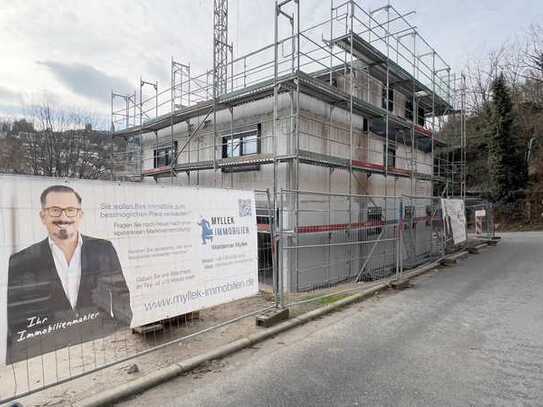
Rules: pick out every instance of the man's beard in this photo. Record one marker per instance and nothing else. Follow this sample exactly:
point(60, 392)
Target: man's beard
point(62, 234)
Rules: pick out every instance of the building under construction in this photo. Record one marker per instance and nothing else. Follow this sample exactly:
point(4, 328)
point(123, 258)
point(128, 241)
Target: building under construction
point(336, 120)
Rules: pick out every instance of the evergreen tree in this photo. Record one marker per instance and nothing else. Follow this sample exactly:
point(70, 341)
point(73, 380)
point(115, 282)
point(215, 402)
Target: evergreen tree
point(506, 161)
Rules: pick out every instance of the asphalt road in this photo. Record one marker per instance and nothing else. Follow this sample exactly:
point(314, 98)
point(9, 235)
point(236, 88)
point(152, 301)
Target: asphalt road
point(470, 335)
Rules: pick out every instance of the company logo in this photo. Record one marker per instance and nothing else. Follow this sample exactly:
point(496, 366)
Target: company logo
point(219, 227)
point(207, 230)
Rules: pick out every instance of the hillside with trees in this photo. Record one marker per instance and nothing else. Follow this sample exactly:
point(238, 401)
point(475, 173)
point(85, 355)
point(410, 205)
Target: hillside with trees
point(504, 125)
point(53, 142)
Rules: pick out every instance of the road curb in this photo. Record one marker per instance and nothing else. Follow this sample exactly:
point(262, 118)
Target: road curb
point(162, 375)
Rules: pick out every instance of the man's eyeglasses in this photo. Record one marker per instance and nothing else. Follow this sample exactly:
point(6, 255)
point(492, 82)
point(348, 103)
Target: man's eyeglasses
point(56, 212)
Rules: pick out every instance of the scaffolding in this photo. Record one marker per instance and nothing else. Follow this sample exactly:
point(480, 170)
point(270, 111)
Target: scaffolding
point(355, 60)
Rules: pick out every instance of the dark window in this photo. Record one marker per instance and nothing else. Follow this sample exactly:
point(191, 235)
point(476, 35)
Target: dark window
point(390, 99)
point(375, 220)
point(263, 220)
point(391, 157)
point(420, 117)
point(164, 156)
point(409, 109)
point(365, 125)
point(428, 215)
point(240, 144)
point(409, 216)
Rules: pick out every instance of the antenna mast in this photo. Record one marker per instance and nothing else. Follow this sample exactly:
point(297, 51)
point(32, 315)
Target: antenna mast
point(220, 47)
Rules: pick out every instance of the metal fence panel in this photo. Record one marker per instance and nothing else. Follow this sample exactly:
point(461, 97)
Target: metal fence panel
point(480, 218)
point(331, 238)
point(38, 373)
point(422, 233)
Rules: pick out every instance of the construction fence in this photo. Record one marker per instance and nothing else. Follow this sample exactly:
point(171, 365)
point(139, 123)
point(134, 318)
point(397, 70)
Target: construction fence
point(327, 238)
point(480, 218)
point(313, 246)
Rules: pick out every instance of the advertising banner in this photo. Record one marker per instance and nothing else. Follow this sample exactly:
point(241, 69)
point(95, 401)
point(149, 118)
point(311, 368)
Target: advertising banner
point(454, 219)
point(80, 259)
point(480, 213)
point(480, 216)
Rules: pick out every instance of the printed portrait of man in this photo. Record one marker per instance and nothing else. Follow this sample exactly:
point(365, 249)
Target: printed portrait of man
point(66, 289)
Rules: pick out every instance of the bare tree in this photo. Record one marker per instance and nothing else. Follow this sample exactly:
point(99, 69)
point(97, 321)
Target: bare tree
point(64, 144)
point(533, 54)
point(531, 65)
point(480, 74)
point(12, 158)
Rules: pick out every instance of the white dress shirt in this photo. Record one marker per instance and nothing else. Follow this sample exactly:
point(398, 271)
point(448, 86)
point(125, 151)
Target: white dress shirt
point(69, 273)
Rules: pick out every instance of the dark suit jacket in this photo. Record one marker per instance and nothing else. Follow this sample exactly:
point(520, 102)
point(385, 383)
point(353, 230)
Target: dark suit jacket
point(40, 316)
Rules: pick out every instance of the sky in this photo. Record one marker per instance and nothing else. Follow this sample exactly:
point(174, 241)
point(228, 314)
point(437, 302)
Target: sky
point(73, 53)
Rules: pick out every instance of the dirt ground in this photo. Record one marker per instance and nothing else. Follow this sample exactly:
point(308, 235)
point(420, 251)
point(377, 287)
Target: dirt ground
point(51, 368)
